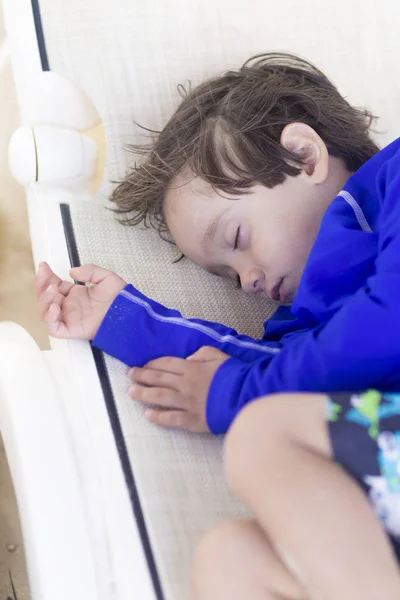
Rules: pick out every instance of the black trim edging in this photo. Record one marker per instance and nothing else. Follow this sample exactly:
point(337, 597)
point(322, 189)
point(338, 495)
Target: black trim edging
point(39, 35)
point(114, 420)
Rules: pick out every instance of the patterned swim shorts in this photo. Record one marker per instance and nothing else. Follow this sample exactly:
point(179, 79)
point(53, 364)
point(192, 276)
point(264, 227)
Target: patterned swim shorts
point(365, 435)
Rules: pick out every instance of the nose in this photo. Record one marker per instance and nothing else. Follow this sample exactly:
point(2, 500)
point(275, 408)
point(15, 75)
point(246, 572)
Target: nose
point(252, 280)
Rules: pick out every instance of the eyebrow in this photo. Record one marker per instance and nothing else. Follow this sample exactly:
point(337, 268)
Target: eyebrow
point(212, 230)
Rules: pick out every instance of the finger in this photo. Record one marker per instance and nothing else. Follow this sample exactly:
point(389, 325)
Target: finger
point(64, 287)
point(174, 419)
point(205, 354)
point(155, 378)
point(89, 274)
point(52, 294)
point(56, 328)
point(52, 317)
point(48, 297)
point(169, 364)
point(44, 278)
point(157, 396)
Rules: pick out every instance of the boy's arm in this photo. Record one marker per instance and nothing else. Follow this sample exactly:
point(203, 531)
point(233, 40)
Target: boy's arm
point(137, 330)
point(358, 348)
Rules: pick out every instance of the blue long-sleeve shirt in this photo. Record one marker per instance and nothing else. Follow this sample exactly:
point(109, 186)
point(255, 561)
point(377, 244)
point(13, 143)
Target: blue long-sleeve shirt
point(342, 332)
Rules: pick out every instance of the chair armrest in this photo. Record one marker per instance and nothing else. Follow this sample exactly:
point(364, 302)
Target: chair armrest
point(80, 535)
point(43, 469)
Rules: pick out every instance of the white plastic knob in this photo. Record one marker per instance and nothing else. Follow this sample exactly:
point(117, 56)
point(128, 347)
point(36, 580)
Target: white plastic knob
point(22, 155)
point(51, 154)
point(57, 101)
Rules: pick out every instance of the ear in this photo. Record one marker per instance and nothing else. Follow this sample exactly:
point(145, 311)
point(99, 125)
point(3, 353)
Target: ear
point(304, 141)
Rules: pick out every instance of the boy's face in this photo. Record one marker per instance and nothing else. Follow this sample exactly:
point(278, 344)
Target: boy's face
point(263, 237)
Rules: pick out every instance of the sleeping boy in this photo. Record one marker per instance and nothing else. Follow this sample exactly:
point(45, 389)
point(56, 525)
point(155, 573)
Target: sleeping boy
point(267, 175)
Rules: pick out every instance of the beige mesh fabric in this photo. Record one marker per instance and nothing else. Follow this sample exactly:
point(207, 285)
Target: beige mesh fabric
point(130, 55)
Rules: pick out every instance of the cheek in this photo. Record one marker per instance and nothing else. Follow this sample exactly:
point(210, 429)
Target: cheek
point(284, 250)
point(309, 235)
point(264, 249)
point(301, 232)
point(298, 246)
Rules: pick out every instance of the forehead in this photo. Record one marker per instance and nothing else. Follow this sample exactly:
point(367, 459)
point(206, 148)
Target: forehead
point(187, 186)
point(192, 203)
point(191, 207)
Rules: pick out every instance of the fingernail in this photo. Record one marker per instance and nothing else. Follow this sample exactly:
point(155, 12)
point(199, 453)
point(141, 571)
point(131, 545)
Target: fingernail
point(131, 372)
point(132, 389)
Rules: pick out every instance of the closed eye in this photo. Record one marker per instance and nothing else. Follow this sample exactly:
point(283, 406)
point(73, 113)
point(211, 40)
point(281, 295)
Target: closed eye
point(237, 238)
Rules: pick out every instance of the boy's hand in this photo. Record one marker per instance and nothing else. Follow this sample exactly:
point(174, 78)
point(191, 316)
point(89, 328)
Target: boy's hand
point(76, 311)
point(178, 385)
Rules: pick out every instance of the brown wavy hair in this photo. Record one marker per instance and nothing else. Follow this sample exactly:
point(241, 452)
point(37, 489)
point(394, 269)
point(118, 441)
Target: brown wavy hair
point(227, 131)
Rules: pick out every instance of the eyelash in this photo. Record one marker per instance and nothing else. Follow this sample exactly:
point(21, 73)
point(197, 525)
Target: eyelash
point(236, 243)
point(235, 247)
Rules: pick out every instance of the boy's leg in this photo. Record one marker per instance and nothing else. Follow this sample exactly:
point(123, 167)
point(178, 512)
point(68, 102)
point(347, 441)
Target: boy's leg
point(234, 561)
point(279, 462)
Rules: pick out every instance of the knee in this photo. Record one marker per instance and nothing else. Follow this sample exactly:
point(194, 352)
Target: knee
point(236, 560)
point(265, 427)
point(257, 435)
point(216, 557)
point(255, 427)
